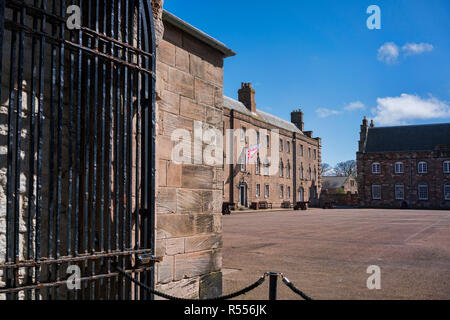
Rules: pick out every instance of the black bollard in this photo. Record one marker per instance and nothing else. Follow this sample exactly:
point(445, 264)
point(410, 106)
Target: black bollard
point(273, 285)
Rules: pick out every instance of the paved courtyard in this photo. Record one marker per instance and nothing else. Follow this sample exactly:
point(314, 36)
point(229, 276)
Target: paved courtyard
point(326, 253)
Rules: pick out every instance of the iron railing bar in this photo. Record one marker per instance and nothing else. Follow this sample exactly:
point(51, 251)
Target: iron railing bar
point(18, 143)
point(93, 212)
point(121, 45)
point(138, 124)
point(73, 46)
point(40, 148)
point(125, 154)
point(110, 144)
point(51, 206)
point(34, 11)
point(59, 143)
point(102, 153)
point(31, 184)
point(87, 147)
point(64, 282)
point(11, 129)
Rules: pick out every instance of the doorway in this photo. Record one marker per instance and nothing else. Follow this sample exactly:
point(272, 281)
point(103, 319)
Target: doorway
point(243, 195)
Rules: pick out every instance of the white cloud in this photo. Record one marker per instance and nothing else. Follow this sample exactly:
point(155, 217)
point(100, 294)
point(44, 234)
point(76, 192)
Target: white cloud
point(407, 107)
point(388, 53)
point(356, 105)
point(416, 48)
point(324, 112)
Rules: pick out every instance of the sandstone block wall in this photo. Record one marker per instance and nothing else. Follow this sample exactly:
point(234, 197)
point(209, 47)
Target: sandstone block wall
point(189, 195)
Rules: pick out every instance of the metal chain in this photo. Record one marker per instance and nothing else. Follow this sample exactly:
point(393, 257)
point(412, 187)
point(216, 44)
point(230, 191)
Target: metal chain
point(169, 297)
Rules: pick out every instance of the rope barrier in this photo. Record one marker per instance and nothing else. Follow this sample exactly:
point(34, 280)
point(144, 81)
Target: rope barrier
point(169, 297)
point(254, 285)
point(294, 289)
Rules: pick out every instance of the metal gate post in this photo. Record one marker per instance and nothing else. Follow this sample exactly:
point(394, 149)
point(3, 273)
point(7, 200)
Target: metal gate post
point(273, 284)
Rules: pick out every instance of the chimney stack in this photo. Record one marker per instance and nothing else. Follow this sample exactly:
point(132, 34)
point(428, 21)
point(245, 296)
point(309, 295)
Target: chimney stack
point(247, 96)
point(363, 134)
point(297, 119)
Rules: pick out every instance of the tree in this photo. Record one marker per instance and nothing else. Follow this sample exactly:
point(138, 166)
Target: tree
point(346, 168)
point(326, 169)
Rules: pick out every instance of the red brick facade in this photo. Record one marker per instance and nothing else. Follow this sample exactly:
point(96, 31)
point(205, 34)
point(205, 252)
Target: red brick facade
point(394, 179)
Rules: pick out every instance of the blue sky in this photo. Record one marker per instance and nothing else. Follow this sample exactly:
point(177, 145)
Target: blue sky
point(320, 56)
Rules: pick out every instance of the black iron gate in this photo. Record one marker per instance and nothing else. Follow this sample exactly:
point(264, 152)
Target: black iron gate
point(77, 127)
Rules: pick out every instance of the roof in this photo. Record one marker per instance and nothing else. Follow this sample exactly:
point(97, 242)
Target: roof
point(407, 138)
point(232, 104)
point(198, 34)
point(333, 182)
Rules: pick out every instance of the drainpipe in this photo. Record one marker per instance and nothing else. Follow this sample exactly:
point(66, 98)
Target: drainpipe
point(232, 157)
point(294, 163)
point(410, 180)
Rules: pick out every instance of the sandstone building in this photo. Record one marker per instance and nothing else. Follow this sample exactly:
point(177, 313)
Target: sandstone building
point(343, 185)
point(404, 166)
point(286, 167)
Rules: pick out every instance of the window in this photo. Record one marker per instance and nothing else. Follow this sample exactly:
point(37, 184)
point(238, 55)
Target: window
point(352, 183)
point(422, 167)
point(399, 192)
point(315, 154)
point(446, 166)
point(266, 168)
point(301, 171)
point(267, 141)
point(288, 192)
point(281, 168)
point(243, 134)
point(376, 192)
point(301, 150)
point(258, 190)
point(423, 191)
point(376, 168)
point(399, 167)
point(309, 153)
point(243, 160)
point(288, 170)
point(309, 174)
point(315, 173)
point(258, 166)
point(447, 191)
point(281, 145)
point(281, 191)
point(288, 147)
point(266, 191)
point(257, 137)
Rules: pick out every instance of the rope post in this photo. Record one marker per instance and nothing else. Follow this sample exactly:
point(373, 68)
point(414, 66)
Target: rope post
point(273, 284)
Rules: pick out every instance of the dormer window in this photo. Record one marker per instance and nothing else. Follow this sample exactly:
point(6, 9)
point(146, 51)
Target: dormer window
point(422, 167)
point(376, 168)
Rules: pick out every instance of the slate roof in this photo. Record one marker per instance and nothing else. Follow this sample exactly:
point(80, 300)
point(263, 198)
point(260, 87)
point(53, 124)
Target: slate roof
point(333, 182)
point(407, 138)
point(232, 104)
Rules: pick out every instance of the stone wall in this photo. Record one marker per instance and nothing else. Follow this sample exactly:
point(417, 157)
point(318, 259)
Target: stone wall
point(189, 196)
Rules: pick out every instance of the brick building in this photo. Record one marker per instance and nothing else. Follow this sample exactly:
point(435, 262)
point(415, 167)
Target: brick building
point(404, 166)
point(293, 171)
